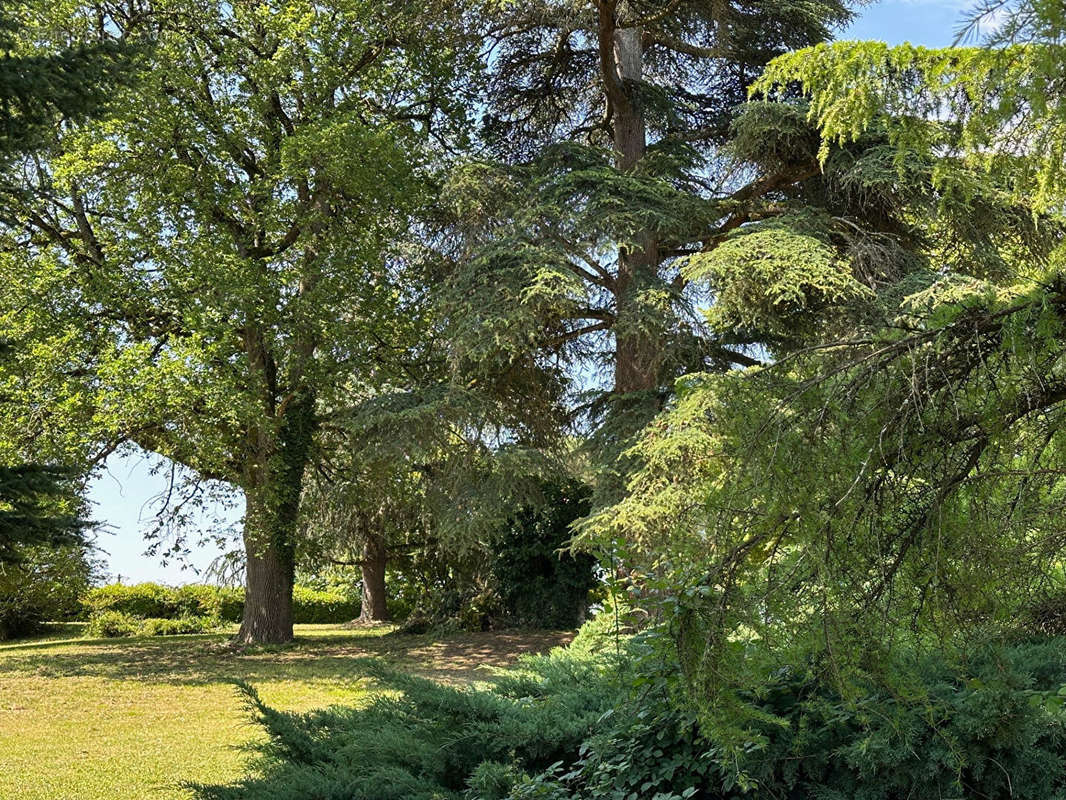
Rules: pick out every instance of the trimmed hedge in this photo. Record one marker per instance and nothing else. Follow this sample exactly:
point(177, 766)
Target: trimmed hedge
point(154, 601)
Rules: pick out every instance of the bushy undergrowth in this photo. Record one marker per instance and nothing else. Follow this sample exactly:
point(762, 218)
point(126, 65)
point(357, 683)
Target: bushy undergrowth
point(42, 586)
point(116, 624)
point(538, 582)
point(154, 601)
point(580, 724)
point(433, 742)
point(988, 725)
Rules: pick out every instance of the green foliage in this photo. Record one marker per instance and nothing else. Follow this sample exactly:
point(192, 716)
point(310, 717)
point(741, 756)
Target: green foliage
point(137, 600)
point(118, 624)
point(893, 479)
point(432, 741)
point(151, 600)
point(775, 276)
point(40, 87)
point(991, 725)
point(309, 606)
point(177, 626)
point(539, 583)
point(210, 278)
point(113, 624)
point(971, 104)
point(38, 506)
point(44, 584)
point(583, 726)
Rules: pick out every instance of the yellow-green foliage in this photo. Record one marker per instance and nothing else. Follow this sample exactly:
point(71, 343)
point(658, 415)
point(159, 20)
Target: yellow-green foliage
point(774, 276)
point(152, 600)
point(995, 107)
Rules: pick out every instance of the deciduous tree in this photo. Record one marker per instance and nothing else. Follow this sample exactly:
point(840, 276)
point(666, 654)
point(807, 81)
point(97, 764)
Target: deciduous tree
point(203, 271)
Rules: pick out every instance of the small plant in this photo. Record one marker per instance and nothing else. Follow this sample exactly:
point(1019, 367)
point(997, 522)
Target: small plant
point(179, 626)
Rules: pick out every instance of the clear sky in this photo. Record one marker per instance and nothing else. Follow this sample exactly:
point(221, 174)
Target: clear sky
point(122, 494)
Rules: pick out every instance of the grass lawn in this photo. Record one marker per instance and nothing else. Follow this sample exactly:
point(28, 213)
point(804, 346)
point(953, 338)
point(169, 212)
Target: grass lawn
point(87, 719)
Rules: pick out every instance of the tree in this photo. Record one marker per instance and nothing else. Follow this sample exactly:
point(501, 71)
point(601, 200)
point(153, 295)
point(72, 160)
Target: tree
point(896, 475)
point(605, 165)
point(363, 514)
point(206, 271)
point(32, 513)
point(38, 89)
point(45, 584)
point(37, 92)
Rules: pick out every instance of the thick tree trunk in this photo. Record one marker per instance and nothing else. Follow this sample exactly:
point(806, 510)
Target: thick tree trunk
point(374, 559)
point(273, 486)
point(638, 345)
point(269, 574)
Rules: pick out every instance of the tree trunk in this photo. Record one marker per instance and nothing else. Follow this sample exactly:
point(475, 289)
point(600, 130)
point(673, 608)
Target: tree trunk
point(274, 483)
point(374, 608)
point(638, 345)
point(269, 574)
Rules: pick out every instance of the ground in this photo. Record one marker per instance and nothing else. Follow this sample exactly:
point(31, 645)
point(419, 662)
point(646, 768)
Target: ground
point(124, 719)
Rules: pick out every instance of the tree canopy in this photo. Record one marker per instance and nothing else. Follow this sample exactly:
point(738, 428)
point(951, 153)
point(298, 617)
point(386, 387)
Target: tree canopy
point(207, 269)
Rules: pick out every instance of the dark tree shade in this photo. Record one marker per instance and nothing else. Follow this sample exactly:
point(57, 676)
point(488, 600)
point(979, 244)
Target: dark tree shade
point(32, 499)
point(37, 90)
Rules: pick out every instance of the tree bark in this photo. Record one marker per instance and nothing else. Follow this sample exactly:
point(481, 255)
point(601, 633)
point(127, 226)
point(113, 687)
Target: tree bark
point(373, 562)
point(273, 487)
point(269, 575)
point(638, 345)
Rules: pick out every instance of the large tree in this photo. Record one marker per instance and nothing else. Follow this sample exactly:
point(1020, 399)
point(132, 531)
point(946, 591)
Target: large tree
point(207, 269)
point(38, 92)
point(606, 161)
point(897, 475)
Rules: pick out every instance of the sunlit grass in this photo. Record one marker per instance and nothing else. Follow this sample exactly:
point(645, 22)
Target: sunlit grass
point(82, 719)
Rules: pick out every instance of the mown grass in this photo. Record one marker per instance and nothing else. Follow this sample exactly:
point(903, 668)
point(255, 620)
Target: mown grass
point(88, 719)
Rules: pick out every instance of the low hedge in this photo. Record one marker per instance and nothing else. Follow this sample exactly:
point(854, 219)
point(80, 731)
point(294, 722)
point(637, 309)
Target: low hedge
point(117, 624)
point(155, 601)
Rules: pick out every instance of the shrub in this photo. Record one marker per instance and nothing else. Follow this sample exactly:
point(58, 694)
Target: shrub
point(538, 585)
point(113, 624)
point(178, 626)
point(117, 624)
point(432, 742)
point(151, 600)
point(136, 600)
point(231, 603)
point(43, 586)
point(583, 726)
point(313, 606)
point(990, 725)
point(193, 600)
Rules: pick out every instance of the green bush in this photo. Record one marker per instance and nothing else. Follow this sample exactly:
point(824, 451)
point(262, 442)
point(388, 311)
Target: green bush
point(136, 600)
point(585, 726)
point(231, 603)
point(990, 725)
point(113, 625)
point(193, 600)
point(43, 586)
point(313, 606)
point(151, 600)
point(118, 624)
point(538, 585)
point(178, 626)
point(433, 742)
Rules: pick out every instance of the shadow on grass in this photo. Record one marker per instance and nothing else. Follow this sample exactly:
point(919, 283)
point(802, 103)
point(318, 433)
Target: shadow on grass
point(321, 656)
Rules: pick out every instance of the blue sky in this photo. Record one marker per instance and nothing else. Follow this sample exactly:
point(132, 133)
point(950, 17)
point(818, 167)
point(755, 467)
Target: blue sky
point(122, 494)
point(932, 23)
